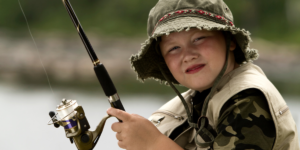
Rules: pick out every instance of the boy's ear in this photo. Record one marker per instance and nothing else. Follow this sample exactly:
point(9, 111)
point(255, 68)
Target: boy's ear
point(232, 45)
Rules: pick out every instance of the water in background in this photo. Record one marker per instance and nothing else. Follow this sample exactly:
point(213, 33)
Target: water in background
point(25, 116)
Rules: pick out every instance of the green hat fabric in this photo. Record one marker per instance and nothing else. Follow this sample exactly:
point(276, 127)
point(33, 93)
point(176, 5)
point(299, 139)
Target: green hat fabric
point(169, 16)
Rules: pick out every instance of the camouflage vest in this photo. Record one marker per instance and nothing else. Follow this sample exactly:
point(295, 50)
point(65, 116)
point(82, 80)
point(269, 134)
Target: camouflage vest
point(172, 114)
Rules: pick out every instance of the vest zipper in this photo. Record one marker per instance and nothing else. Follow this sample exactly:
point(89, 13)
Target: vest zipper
point(159, 121)
point(170, 114)
point(284, 110)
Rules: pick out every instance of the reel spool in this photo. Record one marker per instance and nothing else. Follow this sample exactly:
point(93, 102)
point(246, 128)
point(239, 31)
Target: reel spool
point(66, 111)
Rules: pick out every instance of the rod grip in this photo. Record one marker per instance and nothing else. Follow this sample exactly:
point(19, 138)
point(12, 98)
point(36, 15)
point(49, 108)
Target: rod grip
point(105, 80)
point(118, 104)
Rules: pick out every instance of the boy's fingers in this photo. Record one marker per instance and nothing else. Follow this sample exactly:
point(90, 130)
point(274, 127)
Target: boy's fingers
point(116, 127)
point(119, 136)
point(121, 145)
point(120, 114)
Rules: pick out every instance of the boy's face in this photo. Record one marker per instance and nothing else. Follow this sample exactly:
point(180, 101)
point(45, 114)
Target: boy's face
point(196, 57)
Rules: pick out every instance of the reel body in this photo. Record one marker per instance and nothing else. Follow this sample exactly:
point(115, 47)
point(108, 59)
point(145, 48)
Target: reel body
point(76, 125)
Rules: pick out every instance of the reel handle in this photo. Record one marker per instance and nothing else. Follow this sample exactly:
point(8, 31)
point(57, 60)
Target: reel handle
point(52, 114)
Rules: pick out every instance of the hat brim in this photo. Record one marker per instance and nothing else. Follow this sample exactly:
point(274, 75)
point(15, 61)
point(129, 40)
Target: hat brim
point(146, 62)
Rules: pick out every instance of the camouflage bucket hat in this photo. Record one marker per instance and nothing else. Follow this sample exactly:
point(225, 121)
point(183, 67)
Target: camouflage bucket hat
point(169, 16)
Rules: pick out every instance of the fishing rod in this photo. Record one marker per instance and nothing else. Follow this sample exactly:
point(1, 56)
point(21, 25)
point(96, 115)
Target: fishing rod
point(72, 115)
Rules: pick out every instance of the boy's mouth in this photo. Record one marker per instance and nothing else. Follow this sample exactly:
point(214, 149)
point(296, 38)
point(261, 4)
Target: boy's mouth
point(194, 68)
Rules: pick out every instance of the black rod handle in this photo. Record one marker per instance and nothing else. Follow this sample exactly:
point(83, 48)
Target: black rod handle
point(105, 80)
point(108, 86)
point(118, 104)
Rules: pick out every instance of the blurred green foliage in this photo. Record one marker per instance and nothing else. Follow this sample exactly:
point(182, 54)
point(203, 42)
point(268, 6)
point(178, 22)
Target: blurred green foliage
point(275, 20)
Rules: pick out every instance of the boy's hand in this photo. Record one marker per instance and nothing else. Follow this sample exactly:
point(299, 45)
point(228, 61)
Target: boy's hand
point(135, 132)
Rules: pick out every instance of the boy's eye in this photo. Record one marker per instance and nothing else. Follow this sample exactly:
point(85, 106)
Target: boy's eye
point(199, 38)
point(176, 47)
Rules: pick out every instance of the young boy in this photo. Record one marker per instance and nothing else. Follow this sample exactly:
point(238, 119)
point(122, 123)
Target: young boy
point(230, 105)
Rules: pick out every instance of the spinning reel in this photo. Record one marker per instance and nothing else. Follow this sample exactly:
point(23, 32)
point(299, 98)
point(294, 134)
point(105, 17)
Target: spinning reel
point(76, 125)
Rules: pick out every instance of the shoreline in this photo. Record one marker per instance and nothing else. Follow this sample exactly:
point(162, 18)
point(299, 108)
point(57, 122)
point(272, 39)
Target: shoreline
point(68, 65)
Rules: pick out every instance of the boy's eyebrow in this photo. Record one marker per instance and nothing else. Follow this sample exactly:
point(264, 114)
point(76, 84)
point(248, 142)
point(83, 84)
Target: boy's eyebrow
point(166, 43)
point(165, 39)
point(169, 41)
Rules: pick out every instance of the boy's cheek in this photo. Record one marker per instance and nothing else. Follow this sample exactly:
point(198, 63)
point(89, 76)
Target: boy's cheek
point(174, 66)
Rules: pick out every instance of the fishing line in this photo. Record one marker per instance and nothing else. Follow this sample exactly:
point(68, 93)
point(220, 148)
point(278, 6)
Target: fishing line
point(38, 52)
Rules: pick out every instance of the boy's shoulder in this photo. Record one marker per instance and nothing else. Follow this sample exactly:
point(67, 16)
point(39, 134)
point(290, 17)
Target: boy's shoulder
point(175, 104)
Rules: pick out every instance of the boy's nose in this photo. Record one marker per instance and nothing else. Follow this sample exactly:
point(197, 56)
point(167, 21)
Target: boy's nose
point(190, 55)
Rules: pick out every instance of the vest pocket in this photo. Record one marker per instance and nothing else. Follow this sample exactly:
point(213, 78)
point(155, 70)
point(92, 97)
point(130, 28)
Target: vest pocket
point(166, 121)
